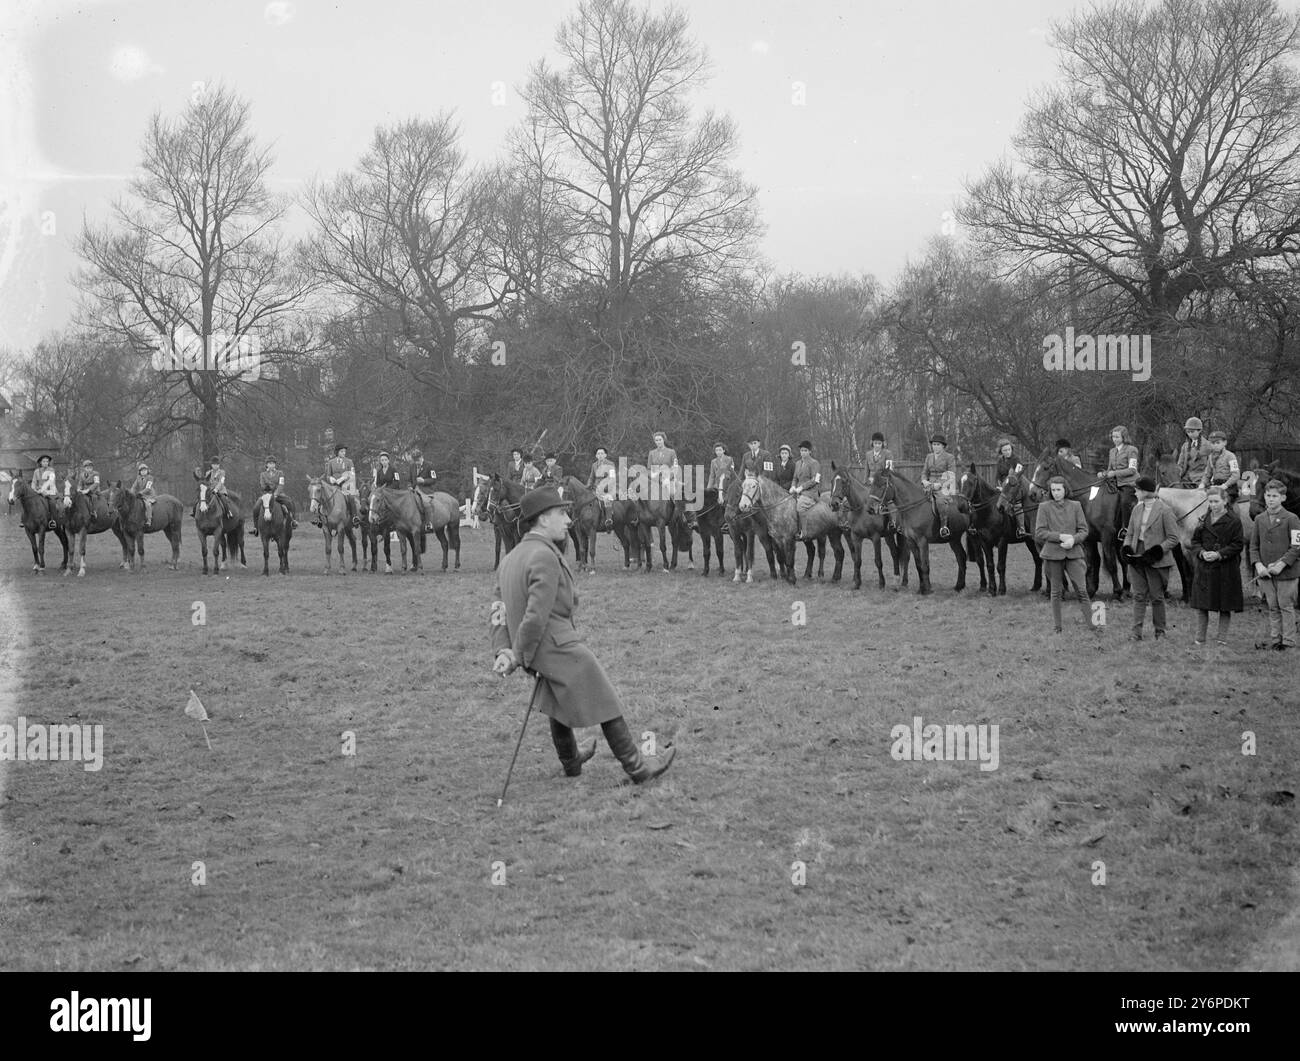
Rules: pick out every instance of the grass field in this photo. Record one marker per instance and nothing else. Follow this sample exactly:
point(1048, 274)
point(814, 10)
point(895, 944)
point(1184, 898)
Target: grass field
point(1131, 756)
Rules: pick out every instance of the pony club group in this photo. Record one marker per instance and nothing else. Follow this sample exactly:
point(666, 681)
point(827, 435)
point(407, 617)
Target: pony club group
point(1210, 519)
point(395, 501)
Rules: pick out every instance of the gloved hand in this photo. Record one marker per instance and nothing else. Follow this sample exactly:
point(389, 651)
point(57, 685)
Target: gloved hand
point(506, 662)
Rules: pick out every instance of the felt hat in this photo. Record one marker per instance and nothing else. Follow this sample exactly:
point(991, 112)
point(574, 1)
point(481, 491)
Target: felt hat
point(535, 502)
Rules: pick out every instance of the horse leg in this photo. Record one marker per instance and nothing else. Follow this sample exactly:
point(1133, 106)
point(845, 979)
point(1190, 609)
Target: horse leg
point(203, 548)
point(959, 551)
point(265, 530)
point(1002, 566)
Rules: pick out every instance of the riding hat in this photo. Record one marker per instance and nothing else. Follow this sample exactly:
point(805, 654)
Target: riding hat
point(551, 457)
point(753, 438)
point(270, 460)
point(214, 459)
point(44, 457)
point(1193, 422)
point(384, 453)
point(785, 449)
point(805, 444)
point(87, 461)
point(142, 466)
point(535, 502)
point(416, 454)
point(1002, 442)
point(1062, 443)
point(341, 445)
point(876, 436)
point(939, 439)
point(1145, 483)
point(1216, 436)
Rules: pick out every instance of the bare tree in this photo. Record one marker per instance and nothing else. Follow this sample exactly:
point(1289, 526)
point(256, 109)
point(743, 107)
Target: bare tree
point(645, 187)
point(407, 236)
point(1162, 165)
point(193, 276)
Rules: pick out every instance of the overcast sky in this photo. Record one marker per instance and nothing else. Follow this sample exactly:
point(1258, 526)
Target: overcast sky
point(904, 102)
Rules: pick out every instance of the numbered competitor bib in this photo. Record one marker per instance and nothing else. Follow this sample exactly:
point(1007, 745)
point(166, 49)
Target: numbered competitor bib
point(1295, 539)
point(767, 466)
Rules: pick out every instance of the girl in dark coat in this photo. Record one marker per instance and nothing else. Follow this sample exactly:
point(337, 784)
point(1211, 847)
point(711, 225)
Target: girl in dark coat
point(1216, 585)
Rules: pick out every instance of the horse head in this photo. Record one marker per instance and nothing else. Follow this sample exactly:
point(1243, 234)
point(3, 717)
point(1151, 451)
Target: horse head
point(749, 494)
point(1012, 493)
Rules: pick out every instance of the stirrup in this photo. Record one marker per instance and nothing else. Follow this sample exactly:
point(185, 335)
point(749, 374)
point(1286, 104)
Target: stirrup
point(944, 532)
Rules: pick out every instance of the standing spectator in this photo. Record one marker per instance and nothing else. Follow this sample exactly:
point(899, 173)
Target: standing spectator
point(1151, 535)
point(1060, 530)
point(1275, 555)
point(1216, 586)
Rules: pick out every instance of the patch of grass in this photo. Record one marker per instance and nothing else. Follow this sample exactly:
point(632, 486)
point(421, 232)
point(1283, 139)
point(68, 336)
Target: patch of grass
point(1131, 756)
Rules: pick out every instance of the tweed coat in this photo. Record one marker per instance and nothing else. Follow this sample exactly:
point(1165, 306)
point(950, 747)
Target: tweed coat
point(1216, 585)
point(536, 586)
point(1162, 530)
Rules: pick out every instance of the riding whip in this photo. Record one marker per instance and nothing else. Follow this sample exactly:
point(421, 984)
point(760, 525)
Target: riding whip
point(537, 685)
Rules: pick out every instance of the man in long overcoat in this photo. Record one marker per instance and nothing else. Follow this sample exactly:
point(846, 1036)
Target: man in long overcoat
point(532, 627)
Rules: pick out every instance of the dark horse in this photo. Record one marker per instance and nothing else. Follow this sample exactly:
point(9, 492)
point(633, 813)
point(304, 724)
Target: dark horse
point(35, 522)
point(1017, 490)
point(585, 513)
point(866, 520)
point(278, 528)
point(666, 515)
point(225, 528)
point(993, 526)
point(500, 504)
point(168, 517)
point(709, 520)
point(1101, 508)
point(920, 524)
point(87, 517)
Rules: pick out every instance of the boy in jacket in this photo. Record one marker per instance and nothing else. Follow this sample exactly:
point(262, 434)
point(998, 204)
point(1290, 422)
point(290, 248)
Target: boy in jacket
point(1275, 556)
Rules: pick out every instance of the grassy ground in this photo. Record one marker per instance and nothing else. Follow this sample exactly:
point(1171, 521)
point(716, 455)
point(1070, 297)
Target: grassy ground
point(1131, 756)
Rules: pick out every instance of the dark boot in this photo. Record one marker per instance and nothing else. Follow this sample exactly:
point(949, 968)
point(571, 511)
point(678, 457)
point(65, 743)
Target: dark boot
point(628, 753)
point(942, 513)
point(566, 746)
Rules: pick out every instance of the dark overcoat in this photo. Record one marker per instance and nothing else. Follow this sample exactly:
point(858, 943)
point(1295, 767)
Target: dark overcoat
point(536, 586)
point(1216, 585)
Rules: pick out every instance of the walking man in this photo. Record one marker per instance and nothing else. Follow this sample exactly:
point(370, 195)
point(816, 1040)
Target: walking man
point(532, 627)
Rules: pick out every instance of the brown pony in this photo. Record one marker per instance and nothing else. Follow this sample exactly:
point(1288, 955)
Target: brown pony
point(226, 529)
point(866, 520)
point(920, 525)
point(395, 509)
point(87, 518)
point(1101, 508)
point(168, 517)
point(35, 522)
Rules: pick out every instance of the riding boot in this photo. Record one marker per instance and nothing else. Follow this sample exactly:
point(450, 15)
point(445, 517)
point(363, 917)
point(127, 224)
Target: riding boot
point(943, 518)
point(1020, 522)
point(566, 746)
point(626, 751)
point(609, 516)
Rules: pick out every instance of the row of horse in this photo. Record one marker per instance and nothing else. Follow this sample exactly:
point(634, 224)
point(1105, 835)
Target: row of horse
point(121, 512)
point(889, 509)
